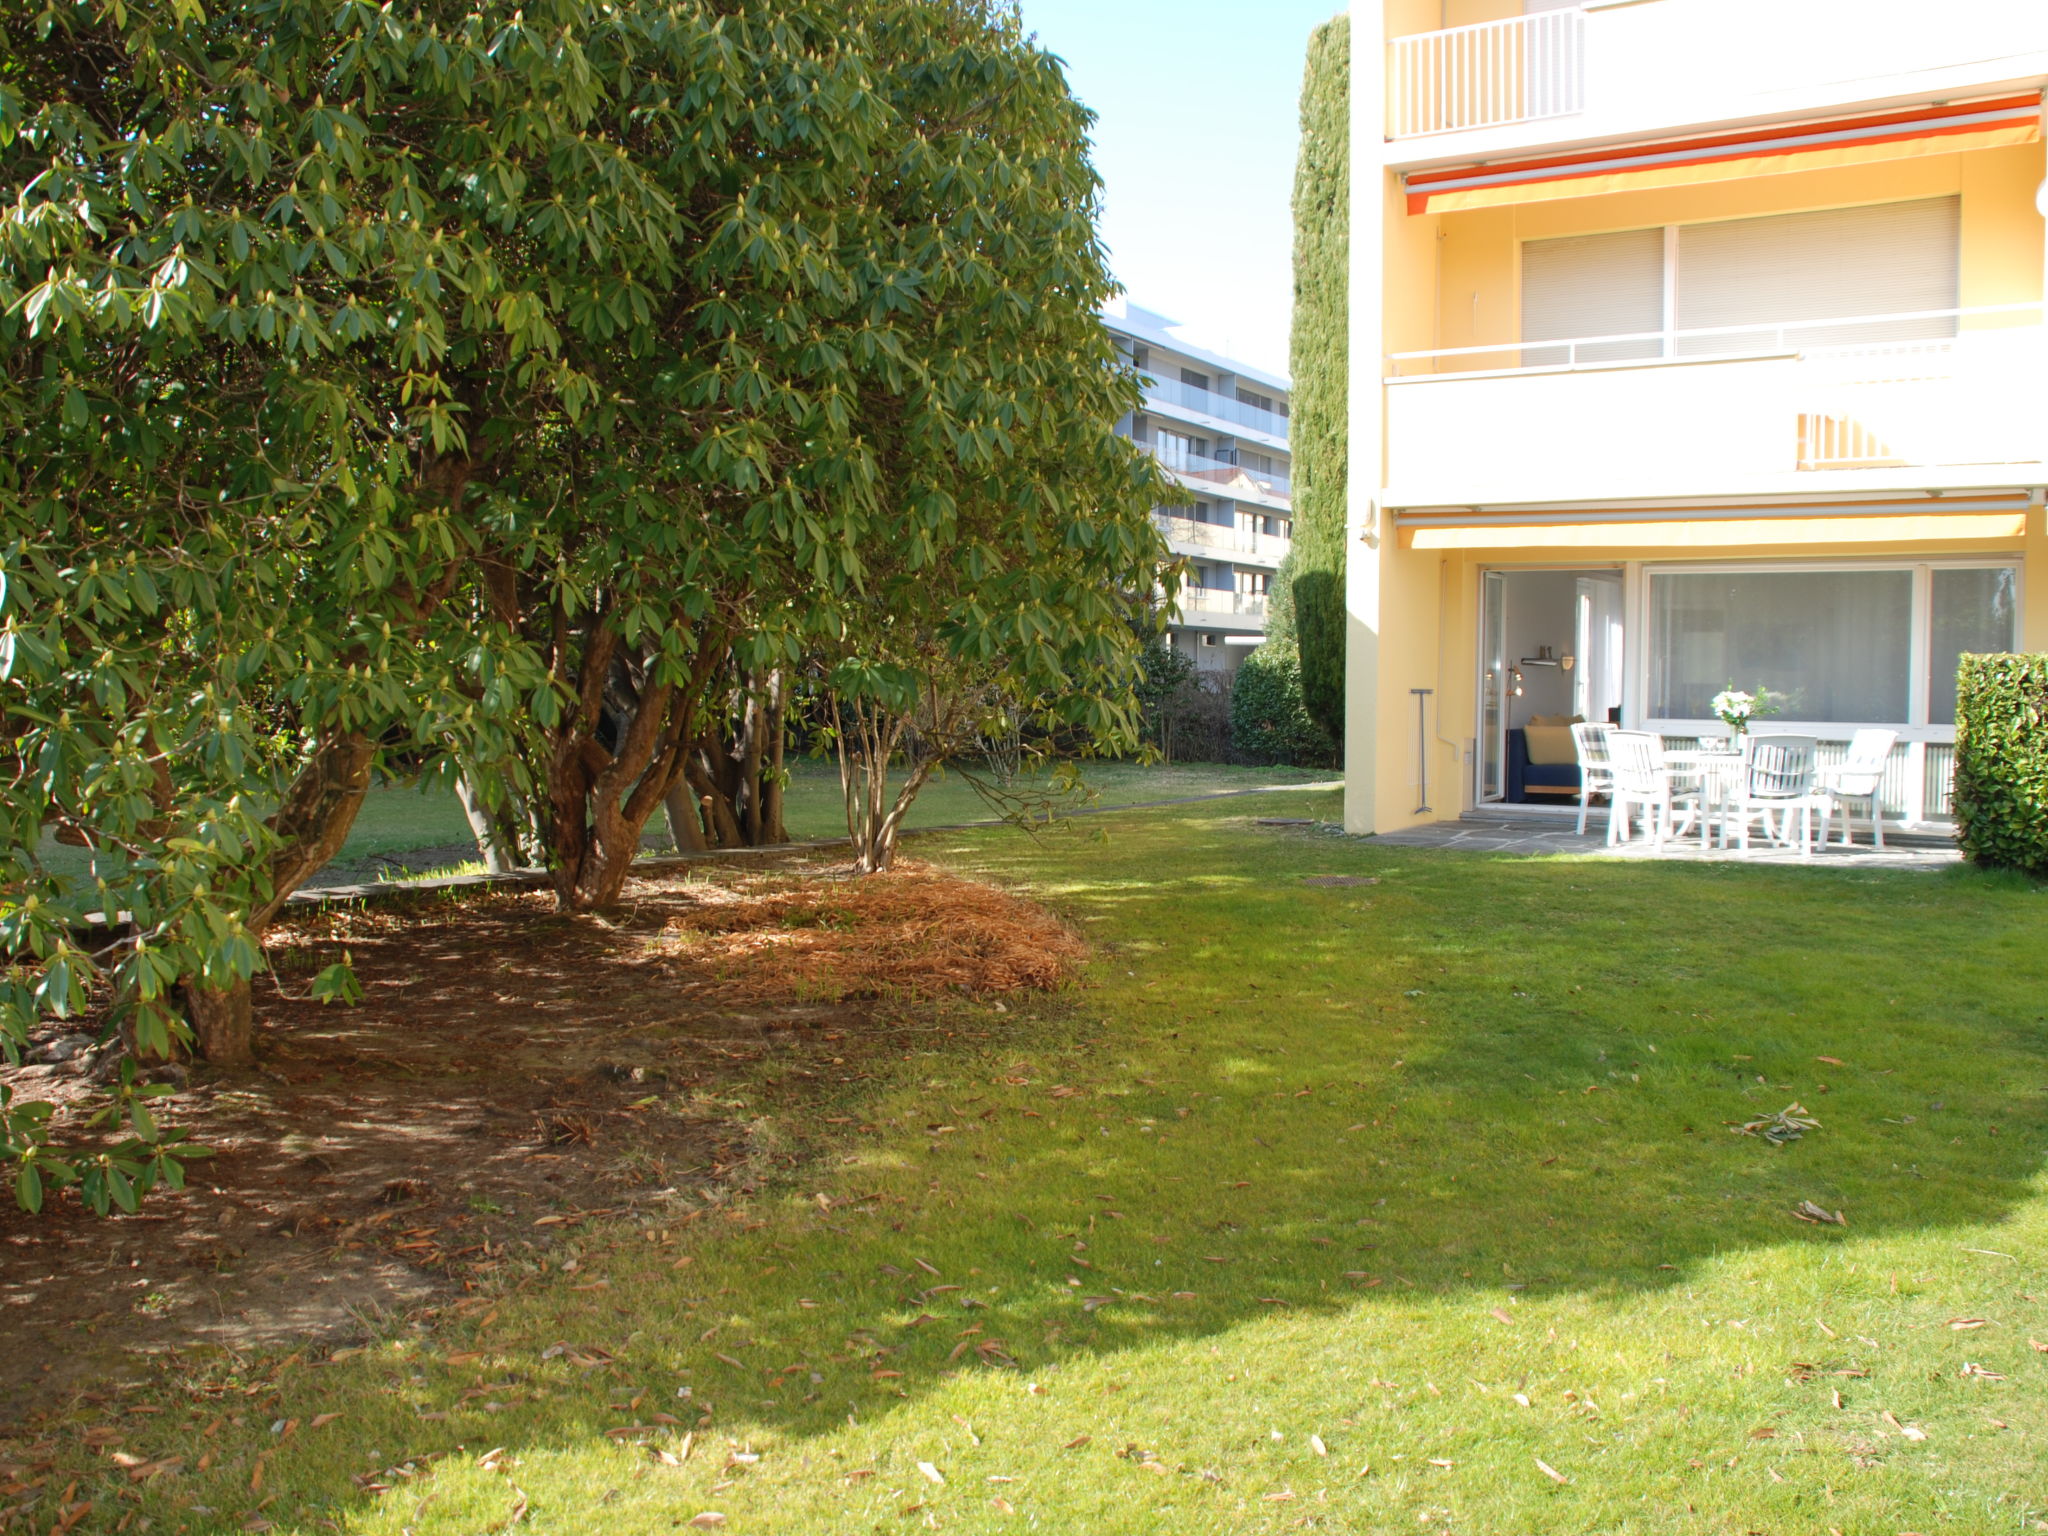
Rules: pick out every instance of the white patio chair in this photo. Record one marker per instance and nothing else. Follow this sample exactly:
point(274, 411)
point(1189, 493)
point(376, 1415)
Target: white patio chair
point(1640, 780)
point(1859, 778)
point(1778, 782)
point(1596, 773)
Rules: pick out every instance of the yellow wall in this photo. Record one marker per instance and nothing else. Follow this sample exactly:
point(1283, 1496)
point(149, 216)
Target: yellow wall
point(1474, 290)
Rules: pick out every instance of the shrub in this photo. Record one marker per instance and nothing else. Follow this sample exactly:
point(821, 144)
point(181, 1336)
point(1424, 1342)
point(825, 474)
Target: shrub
point(1267, 721)
point(2001, 795)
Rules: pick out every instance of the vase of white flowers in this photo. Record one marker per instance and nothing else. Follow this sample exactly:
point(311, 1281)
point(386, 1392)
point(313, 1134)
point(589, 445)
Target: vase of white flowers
point(1735, 708)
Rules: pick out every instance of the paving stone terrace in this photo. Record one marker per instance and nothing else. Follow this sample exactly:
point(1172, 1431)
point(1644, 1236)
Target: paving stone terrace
point(1495, 833)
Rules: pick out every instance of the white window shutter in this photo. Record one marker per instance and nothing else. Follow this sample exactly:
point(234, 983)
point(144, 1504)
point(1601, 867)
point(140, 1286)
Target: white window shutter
point(1592, 285)
point(1878, 259)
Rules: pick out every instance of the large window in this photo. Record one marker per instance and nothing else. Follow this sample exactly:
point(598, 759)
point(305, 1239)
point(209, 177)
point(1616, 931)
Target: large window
point(1973, 609)
point(1870, 645)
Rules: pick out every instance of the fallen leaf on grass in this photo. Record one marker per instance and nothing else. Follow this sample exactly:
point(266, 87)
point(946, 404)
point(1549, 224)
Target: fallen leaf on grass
point(1503, 1314)
point(710, 1520)
point(321, 1420)
point(1315, 1443)
point(932, 1473)
point(1972, 1368)
point(1003, 1506)
point(1833, 1061)
point(1806, 1210)
point(1962, 1324)
point(1077, 1442)
point(1550, 1472)
point(1435, 1463)
point(1788, 1124)
point(2038, 1346)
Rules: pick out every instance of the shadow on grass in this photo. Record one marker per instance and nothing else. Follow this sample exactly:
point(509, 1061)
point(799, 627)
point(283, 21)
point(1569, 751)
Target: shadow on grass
point(1476, 1081)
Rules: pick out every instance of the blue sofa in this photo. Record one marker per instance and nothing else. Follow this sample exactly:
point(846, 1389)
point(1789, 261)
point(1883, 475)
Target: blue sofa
point(1560, 779)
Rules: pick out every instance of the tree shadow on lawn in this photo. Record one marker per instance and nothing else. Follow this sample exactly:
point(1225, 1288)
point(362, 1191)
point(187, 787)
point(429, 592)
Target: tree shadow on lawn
point(1479, 1083)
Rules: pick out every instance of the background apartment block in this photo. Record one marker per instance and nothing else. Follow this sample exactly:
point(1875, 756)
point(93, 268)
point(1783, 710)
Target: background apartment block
point(1220, 428)
point(1708, 350)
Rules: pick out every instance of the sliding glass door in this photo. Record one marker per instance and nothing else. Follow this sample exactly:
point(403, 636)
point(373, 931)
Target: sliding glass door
point(1493, 688)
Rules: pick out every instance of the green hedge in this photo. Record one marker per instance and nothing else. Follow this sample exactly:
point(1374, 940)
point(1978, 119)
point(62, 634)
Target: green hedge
point(2001, 796)
point(1320, 358)
point(1269, 722)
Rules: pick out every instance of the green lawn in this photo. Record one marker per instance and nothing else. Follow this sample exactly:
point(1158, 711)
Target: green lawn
point(1409, 1206)
point(398, 819)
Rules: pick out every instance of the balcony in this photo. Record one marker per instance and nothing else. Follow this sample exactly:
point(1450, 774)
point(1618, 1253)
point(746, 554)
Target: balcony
point(1189, 534)
point(1723, 411)
point(1621, 69)
point(1211, 603)
point(1219, 410)
point(1260, 486)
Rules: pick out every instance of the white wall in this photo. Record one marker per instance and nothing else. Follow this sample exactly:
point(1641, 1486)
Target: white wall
point(1541, 610)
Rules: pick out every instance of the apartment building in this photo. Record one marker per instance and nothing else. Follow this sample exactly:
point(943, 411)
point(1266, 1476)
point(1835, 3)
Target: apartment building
point(1220, 428)
point(1703, 346)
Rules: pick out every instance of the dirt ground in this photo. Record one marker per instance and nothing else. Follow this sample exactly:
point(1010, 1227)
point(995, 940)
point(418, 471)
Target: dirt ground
point(511, 1071)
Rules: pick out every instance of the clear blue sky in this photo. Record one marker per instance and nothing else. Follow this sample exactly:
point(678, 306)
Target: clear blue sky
point(1196, 103)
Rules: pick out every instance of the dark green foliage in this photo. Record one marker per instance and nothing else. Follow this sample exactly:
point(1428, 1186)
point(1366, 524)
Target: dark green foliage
point(1269, 722)
point(1320, 358)
point(2002, 761)
point(524, 389)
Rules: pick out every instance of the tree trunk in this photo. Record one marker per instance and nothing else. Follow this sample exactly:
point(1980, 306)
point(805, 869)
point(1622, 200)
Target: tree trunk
point(312, 823)
point(718, 808)
point(600, 799)
point(223, 1023)
point(685, 819)
point(496, 841)
point(753, 745)
point(773, 829)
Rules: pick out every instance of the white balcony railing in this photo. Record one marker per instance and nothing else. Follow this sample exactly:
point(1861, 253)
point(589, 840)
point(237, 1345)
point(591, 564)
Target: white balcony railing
point(1207, 402)
point(1513, 71)
point(1230, 479)
point(1228, 538)
point(1626, 69)
point(1218, 601)
point(1707, 343)
point(1685, 422)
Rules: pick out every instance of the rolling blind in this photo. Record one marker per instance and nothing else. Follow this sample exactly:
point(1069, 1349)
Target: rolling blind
point(1882, 258)
point(1592, 285)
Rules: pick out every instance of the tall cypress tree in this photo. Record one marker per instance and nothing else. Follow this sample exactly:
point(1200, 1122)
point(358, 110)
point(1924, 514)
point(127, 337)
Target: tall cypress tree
point(1321, 362)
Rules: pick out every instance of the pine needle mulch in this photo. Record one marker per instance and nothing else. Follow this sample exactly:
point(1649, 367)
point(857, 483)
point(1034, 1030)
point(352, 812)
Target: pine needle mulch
point(910, 933)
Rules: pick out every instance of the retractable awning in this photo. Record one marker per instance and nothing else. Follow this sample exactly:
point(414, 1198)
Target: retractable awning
point(1899, 134)
point(1721, 523)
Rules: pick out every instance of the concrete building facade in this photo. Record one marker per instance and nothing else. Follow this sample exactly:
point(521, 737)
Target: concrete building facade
point(1220, 429)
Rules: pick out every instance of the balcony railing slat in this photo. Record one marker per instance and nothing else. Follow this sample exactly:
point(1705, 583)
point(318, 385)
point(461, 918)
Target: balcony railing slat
point(1517, 70)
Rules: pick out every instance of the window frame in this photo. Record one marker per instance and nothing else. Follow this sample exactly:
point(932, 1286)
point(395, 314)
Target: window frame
point(1916, 728)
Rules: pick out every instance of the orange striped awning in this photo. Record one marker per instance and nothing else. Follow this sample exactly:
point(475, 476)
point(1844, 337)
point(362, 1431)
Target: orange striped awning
point(1899, 134)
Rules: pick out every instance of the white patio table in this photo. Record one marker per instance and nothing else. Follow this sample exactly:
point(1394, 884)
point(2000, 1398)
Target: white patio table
point(1717, 765)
